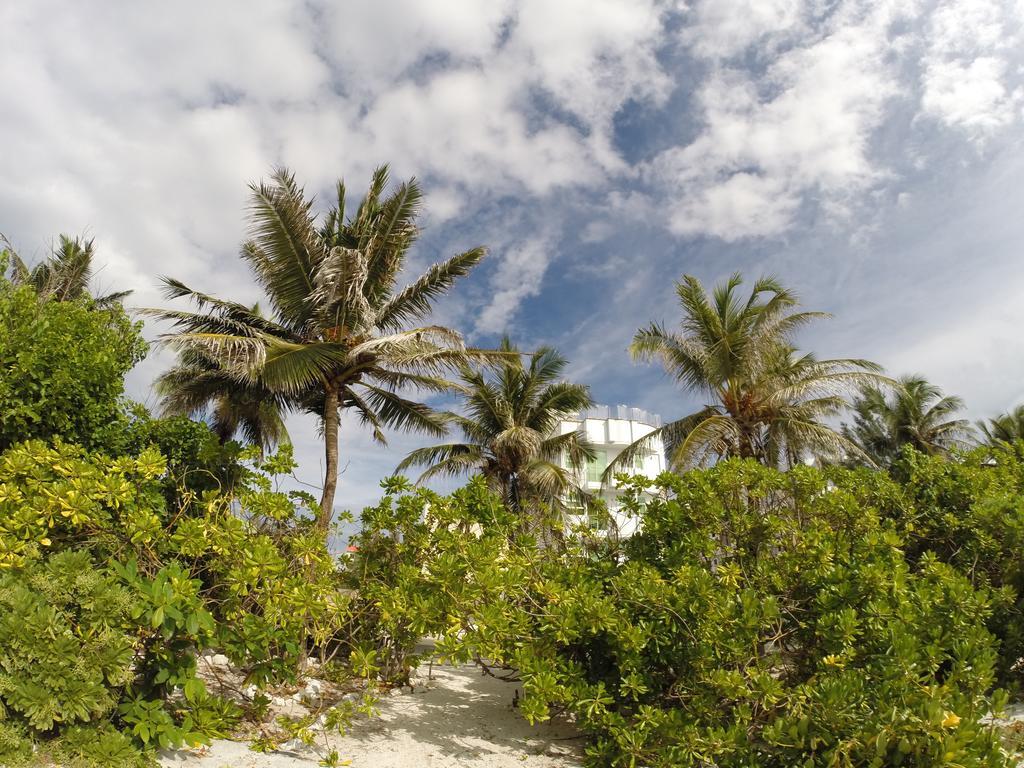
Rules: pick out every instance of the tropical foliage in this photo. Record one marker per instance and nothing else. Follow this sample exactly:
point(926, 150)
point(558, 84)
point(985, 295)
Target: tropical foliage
point(970, 514)
point(759, 618)
point(1004, 428)
point(65, 647)
point(766, 400)
point(128, 592)
point(62, 367)
point(339, 334)
point(199, 386)
point(766, 613)
point(510, 426)
point(127, 554)
point(65, 275)
point(912, 412)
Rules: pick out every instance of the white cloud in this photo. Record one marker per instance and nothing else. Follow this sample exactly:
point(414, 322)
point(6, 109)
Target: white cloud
point(967, 76)
point(373, 45)
point(724, 28)
point(970, 96)
point(517, 278)
point(476, 119)
point(166, 112)
point(743, 205)
point(798, 130)
point(461, 126)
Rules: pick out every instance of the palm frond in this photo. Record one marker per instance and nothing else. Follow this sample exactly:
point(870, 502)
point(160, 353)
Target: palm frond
point(294, 368)
point(394, 232)
point(415, 300)
point(425, 457)
point(397, 412)
point(284, 249)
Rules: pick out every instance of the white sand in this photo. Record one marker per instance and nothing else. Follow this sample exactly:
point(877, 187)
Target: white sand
point(461, 718)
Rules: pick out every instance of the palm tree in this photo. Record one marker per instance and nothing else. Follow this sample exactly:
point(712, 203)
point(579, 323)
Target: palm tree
point(765, 400)
point(509, 429)
point(198, 386)
point(1004, 428)
point(66, 274)
point(914, 413)
point(337, 336)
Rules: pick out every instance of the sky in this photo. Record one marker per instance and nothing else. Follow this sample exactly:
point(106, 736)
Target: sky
point(868, 154)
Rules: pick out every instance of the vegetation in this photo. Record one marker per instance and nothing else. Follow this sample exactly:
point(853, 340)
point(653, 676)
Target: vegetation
point(969, 513)
point(912, 412)
point(1004, 428)
point(759, 618)
point(339, 336)
point(198, 386)
point(768, 401)
point(129, 552)
point(510, 427)
point(766, 613)
point(65, 275)
point(62, 365)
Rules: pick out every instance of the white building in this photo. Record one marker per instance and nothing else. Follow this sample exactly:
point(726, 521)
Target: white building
point(610, 430)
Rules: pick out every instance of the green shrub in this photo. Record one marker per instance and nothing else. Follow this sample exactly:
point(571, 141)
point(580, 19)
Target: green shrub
point(65, 649)
point(196, 460)
point(760, 618)
point(59, 496)
point(215, 717)
point(970, 513)
point(15, 745)
point(62, 368)
point(172, 626)
point(245, 572)
point(99, 746)
point(415, 553)
point(191, 541)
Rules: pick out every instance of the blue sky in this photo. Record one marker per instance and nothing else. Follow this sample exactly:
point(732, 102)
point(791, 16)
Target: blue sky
point(867, 153)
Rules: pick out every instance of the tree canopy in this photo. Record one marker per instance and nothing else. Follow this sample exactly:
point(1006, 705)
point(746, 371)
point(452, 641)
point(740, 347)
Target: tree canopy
point(66, 274)
point(764, 398)
point(62, 367)
point(510, 427)
point(911, 412)
point(339, 332)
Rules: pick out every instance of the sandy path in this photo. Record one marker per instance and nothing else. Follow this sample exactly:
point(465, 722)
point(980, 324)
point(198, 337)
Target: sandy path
point(459, 719)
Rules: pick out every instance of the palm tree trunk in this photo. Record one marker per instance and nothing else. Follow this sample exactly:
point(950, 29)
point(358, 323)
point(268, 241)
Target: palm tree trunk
point(331, 425)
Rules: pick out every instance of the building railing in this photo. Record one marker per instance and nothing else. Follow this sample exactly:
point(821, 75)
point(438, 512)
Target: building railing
point(625, 412)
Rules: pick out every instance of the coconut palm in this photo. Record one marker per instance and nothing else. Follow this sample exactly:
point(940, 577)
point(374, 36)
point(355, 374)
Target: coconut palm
point(509, 426)
point(1004, 428)
point(198, 386)
point(337, 336)
point(764, 399)
point(66, 274)
point(913, 412)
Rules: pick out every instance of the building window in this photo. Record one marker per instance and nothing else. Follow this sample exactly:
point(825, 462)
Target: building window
point(596, 467)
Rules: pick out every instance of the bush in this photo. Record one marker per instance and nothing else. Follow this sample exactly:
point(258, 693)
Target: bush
point(245, 572)
point(970, 513)
point(131, 544)
point(196, 460)
point(100, 746)
point(62, 368)
point(760, 618)
point(59, 496)
point(415, 554)
point(15, 745)
point(65, 649)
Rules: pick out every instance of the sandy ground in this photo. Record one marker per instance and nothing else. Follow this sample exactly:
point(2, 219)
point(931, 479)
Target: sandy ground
point(460, 718)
